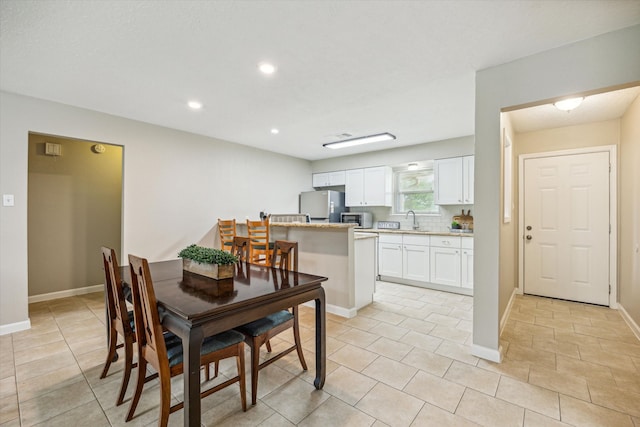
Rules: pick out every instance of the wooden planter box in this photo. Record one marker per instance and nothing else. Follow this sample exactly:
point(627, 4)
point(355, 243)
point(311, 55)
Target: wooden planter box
point(214, 271)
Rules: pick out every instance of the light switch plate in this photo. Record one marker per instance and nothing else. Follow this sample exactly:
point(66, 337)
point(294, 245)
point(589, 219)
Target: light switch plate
point(7, 200)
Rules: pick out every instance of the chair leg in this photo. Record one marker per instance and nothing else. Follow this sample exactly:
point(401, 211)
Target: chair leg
point(142, 369)
point(241, 375)
point(255, 364)
point(207, 372)
point(296, 339)
point(165, 400)
point(113, 341)
point(268, 344)
point(128, 364)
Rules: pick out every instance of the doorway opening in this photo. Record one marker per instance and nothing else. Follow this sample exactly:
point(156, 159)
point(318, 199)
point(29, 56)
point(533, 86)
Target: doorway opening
point(74, 208)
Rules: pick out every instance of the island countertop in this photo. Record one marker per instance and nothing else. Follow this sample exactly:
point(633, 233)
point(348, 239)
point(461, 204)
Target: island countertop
point(328, 225)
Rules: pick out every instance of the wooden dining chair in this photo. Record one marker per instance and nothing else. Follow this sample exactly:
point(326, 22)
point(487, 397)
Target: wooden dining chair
point(164, 353)
point(259, 246)
point(120, 320)
point(260, 331)
point(227, 231)
point(240, 248)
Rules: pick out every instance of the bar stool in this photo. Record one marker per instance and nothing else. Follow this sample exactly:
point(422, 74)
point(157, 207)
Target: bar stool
point(259, 246)
point(227, 230)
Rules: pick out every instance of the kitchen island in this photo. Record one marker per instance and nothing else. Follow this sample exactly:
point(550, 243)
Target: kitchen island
point(338, 252)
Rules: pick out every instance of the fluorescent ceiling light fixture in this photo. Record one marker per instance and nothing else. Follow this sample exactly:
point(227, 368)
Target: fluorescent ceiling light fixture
point(195, 105)
point(360, 140)
point(568, 104)
point(413, 166)
point(275, 131)
point(267, 68)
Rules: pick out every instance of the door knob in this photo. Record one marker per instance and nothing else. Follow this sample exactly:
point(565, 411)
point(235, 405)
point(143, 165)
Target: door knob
point(528, 237)
point(528, 227)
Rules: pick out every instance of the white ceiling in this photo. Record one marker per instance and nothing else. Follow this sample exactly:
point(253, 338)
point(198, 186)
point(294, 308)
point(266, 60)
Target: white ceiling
point(358, 67)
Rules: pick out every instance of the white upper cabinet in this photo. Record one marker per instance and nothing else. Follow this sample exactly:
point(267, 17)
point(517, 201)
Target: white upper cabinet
point(328, 179)
point(368, 186)
point(467, 179)
point(454, 180)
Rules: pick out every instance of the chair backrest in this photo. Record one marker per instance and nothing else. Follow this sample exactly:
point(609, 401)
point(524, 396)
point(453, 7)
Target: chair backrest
point(151, 342)
point(241, 248)
point(227, 230)
point(258, 232)
point(285, 255)
point(113, 288)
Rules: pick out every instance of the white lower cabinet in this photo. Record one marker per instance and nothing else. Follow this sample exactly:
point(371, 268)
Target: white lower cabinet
point(404, 256)
point(427, 259)
point(466, 281)
point(390, 256)
point(445, 260)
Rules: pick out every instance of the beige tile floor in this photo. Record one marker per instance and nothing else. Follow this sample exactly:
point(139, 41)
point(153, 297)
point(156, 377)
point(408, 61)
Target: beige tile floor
point(404, 360)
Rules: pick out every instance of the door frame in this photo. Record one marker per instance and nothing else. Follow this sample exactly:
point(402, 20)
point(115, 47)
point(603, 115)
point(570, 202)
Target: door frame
point(613, 212)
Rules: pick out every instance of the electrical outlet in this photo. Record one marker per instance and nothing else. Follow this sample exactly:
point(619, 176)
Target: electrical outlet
point(7, 200)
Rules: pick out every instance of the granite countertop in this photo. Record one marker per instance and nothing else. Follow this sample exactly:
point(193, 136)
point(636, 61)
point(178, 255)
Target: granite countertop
point(420, 232)
point(328, 225)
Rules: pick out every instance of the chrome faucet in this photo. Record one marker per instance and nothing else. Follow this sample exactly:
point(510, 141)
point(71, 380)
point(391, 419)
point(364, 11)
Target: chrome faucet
point(415, 224)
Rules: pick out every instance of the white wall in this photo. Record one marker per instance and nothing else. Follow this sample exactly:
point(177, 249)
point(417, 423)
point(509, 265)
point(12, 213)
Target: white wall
point(600, 62)
point(176, 185)
point(629, 212)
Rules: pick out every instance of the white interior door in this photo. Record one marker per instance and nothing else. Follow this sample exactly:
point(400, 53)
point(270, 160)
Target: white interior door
point(566, 227)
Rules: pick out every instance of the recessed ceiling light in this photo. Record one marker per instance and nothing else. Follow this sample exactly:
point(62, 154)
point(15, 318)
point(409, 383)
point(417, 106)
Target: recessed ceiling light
point(568, 104)
point(275, 131)
point(195, 105)
point(267, 68)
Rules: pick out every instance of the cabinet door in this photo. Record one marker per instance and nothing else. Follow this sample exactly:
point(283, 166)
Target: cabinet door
point(354, 187)
point(467, 268)
point(336, 178)
point(390, 259)
point(448, 181)
point(467, 176)
point(445, 266)
point(377, 188)
point(320, 179)
point(416, 263)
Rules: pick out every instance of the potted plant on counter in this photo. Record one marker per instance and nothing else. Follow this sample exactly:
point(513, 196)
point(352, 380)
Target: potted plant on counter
point(214, 263)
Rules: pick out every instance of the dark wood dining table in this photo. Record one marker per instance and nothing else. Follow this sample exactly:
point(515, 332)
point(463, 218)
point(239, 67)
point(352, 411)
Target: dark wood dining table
point(194, 307)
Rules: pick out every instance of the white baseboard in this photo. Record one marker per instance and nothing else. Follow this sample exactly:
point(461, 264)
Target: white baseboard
point(507, 311)
point(487, 353)
point(334, 309)
point(627, 318)
point(66, 293)
point(15, 327)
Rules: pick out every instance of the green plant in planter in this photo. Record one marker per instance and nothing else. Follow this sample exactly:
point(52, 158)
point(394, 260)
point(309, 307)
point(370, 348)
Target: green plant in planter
point(455, 225)
point(207, 255)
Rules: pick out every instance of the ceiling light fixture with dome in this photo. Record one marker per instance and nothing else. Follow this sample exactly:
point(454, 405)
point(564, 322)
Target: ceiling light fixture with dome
point(568, 104)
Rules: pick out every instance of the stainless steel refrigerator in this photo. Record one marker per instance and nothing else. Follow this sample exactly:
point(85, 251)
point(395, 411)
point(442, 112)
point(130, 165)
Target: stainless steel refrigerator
point(322, 206)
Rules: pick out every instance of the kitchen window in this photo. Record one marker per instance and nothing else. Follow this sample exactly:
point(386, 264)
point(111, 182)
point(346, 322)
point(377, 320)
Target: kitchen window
point(414, 191)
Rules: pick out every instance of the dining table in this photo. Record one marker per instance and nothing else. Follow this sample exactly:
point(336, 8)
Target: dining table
point(194, 307)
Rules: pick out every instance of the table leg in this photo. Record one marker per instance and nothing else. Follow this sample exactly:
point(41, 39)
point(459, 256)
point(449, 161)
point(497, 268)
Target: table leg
point(191, 359)
point(321, 340)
